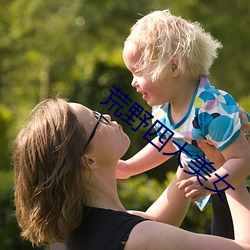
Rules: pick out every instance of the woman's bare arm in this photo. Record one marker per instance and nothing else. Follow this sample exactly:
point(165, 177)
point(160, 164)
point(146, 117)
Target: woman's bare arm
point(160, 236)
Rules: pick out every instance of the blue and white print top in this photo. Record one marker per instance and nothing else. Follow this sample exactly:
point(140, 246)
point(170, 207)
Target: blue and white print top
point(213, 115)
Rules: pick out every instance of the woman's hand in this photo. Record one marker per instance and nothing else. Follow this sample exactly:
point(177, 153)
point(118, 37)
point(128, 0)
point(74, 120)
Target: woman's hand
point(245, 124)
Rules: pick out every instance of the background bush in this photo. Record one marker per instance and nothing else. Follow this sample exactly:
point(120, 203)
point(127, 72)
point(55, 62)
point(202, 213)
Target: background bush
point(73, 48)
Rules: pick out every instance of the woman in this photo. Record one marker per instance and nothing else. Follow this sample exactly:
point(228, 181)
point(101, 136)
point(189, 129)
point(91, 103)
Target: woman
point(65, 188)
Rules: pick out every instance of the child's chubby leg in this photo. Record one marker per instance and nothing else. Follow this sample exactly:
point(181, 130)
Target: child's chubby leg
point(171, 207)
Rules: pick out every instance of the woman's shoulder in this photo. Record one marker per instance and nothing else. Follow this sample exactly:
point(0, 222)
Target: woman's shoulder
point(110, 227)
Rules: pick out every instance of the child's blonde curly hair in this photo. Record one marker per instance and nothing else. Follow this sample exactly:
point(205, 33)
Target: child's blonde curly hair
point(161, 36)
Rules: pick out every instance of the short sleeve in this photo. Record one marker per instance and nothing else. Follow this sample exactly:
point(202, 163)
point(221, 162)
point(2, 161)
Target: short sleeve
point(219, 119)
point(160, 120)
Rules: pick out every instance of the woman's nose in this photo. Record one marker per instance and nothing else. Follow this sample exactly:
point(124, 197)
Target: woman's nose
point(108, 117)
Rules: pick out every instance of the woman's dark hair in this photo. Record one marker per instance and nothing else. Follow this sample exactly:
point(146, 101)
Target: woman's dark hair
point(49, 180)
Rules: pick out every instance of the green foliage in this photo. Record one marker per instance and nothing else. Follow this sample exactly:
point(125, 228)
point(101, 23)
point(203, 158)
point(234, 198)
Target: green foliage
point(139, 192)
point(5, 124)
point(73, 48)
point(245, 103)
point(228, 22)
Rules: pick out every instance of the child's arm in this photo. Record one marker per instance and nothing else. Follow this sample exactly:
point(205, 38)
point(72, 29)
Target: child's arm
point(237, 166)
point(191, 187)
point(171, 207)
point(146, 159)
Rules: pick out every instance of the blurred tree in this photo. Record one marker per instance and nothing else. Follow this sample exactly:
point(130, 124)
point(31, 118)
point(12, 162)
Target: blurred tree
point(72, 48)
point(228, 22)
point(5, 123)
point(51, 47)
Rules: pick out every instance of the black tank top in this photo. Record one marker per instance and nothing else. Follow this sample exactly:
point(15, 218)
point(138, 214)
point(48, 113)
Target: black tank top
point(102, 229)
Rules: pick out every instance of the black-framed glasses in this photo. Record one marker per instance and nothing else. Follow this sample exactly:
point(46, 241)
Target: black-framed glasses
point(100, 118)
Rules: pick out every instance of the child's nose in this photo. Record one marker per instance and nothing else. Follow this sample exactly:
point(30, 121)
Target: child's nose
point(134, 83)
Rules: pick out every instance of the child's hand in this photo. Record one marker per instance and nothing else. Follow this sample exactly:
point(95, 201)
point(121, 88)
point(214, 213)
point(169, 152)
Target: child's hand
point(193, 189)
point(122, 170)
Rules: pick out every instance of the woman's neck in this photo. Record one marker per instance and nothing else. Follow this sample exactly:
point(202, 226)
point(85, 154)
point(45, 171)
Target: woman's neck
point(102, 189)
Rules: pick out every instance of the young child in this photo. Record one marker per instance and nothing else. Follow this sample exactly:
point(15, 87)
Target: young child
point(170, 59)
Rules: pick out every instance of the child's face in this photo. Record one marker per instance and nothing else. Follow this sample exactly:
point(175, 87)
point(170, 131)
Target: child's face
point(152, 92)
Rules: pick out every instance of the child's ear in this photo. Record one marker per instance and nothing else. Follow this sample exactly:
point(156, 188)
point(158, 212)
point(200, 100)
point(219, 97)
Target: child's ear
point(175, 66)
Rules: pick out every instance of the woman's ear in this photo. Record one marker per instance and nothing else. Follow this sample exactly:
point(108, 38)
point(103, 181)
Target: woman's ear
point(89, 161)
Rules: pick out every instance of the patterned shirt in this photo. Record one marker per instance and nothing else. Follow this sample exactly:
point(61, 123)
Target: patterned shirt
point(213, 115)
